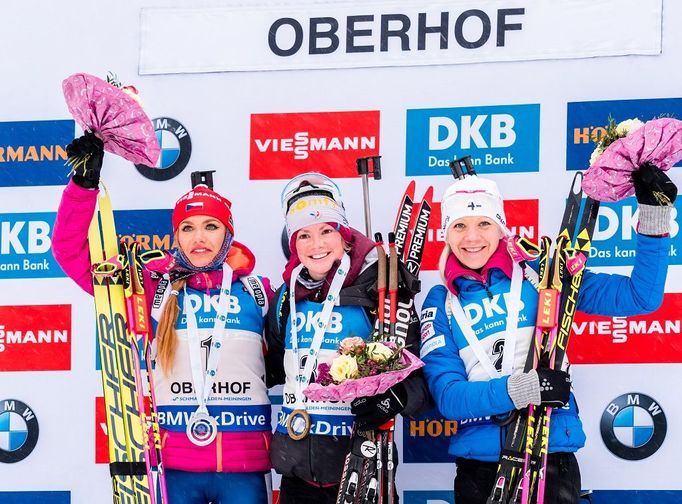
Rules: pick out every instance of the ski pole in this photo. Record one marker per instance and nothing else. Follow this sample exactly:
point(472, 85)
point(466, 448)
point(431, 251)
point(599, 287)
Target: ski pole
point(143, 327)
point(392, 285)
point(382, 434)
point(385, 433)
point(364, 170)
point(456, 167)
point(381, 283)
point(131, 329)
point(393, 293)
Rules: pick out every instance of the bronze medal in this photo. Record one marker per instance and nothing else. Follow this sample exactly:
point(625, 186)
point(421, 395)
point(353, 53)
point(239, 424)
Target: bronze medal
point(298, 424)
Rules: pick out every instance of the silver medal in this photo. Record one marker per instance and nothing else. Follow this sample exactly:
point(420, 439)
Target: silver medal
point(202, 428)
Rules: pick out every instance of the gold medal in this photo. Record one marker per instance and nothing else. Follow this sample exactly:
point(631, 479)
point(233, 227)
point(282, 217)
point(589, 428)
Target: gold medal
point(298, 424)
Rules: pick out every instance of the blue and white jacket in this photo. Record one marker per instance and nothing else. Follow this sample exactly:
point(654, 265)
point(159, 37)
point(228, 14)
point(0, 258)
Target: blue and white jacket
point(458, 384)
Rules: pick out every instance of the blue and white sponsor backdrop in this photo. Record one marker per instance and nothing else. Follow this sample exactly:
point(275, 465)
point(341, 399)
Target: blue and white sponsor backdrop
point(518, 86)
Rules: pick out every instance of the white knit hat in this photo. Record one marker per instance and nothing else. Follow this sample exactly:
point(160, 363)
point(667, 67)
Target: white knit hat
point(312, 198)
point(473, 196)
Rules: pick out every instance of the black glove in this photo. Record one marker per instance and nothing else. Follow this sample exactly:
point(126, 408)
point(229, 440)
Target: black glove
point(555, 387)
point(653, 187)
point(544, 386)
point(85, 156)
point(371, 412)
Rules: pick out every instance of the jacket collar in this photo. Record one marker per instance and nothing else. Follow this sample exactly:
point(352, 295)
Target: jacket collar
point(360, 256)
point(500, 259)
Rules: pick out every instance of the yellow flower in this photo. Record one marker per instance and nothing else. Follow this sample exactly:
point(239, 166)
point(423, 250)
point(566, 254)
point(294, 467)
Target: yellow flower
point(343, 367)
point(379, 352)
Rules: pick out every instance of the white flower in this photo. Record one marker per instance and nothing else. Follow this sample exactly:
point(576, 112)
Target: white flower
point(343, 367)
point(379, 352)
point(595, 155)
point(132, 92)
point(351, 345)
point(624, 128)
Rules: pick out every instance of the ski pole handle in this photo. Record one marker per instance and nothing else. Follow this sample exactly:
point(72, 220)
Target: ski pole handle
point(388, 469)
point(202, 178)
point(388, 425)
point(456, 167)
point(364, 171)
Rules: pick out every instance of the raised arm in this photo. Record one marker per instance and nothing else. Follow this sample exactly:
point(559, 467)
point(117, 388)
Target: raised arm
point(70, 233)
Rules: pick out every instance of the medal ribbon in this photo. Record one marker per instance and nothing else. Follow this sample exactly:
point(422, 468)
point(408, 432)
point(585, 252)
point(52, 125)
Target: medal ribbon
point(203, 381)
point(513, 307)
point(303, 376)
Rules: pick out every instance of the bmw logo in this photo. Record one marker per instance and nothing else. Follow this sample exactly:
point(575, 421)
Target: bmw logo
point(633, 426)
point(176, 149)
point(18, 431)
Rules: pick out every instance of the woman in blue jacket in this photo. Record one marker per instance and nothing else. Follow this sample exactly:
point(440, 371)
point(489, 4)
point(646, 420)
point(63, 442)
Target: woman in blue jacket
point(478, 326)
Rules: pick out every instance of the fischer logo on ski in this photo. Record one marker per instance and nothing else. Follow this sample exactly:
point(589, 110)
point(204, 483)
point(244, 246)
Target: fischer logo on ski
point(522, 467)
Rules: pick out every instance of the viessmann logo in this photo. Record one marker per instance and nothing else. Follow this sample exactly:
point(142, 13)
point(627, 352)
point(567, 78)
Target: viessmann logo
point(586, 121)
point(284, 145)
point(34, 152)
point(499, 139)
point(522, 219)
point(101, 433)
point(35, 338)
point(652, 338)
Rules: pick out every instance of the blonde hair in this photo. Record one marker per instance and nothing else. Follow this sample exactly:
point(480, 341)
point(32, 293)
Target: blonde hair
point(166, 337)
point(442, 261)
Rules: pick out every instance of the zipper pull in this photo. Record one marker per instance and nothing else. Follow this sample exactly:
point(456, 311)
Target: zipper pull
point(487, 290)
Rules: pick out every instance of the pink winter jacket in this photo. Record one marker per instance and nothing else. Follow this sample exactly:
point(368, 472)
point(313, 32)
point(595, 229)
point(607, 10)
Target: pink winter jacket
point(230, 451)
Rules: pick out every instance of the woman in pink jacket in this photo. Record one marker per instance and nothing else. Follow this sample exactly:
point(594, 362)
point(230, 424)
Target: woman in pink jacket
point(188, 282)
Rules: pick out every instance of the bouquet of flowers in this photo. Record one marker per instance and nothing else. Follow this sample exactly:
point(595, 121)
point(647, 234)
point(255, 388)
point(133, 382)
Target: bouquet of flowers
point(612, 133)
point(362, 368)
point(114, 113)
point(626, 146)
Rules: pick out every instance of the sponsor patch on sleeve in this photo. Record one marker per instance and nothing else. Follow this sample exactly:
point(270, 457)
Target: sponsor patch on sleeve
point(427, 331)
point(428, 314)
point(431, 345)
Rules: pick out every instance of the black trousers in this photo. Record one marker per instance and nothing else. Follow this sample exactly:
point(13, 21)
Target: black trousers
point(294, 490)
point(475, 480)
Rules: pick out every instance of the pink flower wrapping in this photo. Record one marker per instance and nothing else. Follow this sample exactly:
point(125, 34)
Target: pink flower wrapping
point(658, 142)
point(113, 116)
point(364, 387)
